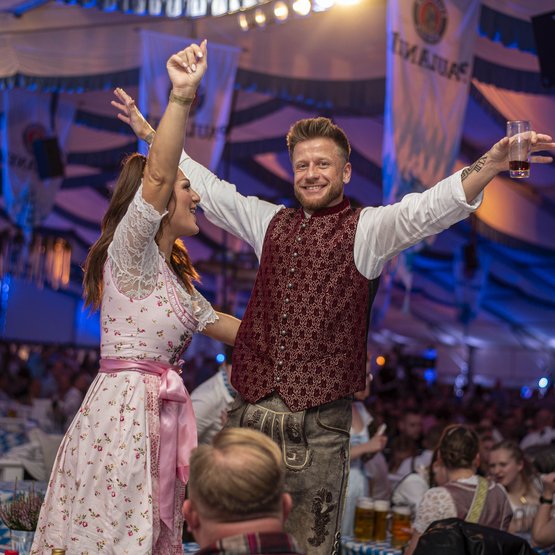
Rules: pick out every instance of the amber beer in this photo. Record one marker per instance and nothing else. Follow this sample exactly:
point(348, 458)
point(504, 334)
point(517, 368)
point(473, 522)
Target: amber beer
point(381, 512)
point(400, 526)
point(519, 148)
point(519, 166)
point(364, 519)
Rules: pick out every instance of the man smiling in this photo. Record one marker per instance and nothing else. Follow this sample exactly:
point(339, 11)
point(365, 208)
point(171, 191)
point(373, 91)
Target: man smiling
point(300, 352)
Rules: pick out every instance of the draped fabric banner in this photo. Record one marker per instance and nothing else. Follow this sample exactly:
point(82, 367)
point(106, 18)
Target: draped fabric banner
point(209, 116)
point(429, 66)
point(35, 128)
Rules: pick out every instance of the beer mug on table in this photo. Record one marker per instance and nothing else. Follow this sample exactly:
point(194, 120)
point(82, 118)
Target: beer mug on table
point(519, 148)
point(364, 519)
point(381, 513)
point(401, 526)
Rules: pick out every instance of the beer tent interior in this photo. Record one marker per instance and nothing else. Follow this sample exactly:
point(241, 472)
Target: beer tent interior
point(329, 63)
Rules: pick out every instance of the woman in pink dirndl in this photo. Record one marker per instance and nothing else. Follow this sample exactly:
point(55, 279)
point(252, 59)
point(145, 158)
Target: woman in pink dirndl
point(118, 482)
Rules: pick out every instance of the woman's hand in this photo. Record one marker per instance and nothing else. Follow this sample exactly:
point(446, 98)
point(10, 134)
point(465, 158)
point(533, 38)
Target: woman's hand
point(376, 443)
point(186, 69)
point(548, 482)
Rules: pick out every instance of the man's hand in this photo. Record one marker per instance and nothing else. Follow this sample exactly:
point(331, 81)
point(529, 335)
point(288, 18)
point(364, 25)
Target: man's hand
point(476, 177)
point(130, 114)
point(499, 152)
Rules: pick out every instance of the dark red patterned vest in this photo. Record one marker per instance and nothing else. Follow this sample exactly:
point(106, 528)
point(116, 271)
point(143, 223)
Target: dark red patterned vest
point(305, 328)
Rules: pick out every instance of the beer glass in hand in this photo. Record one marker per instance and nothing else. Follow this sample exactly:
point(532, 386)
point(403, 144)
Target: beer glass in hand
point(401, 526)
point(519, 148)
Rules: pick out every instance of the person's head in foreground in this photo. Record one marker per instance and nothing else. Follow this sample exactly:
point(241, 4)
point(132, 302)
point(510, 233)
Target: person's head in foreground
point(236, 486)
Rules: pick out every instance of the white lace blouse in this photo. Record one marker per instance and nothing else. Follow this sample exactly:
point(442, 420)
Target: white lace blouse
point(146, 312)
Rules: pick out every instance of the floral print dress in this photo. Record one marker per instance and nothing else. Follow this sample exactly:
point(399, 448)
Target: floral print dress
point(103, 492)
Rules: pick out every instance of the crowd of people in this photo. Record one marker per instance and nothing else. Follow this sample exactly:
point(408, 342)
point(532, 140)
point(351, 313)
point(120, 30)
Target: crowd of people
point(299, 358)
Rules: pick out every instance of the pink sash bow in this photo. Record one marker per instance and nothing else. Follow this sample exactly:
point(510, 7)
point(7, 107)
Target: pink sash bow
point(178, 430)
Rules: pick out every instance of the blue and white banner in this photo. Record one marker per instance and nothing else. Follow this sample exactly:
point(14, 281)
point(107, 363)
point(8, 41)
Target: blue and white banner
point(429, 67)
point(209, 116)
point(31, 120)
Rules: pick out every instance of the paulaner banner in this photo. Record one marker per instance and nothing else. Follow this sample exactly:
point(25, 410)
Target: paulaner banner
point(209, 115)
point(429, 67)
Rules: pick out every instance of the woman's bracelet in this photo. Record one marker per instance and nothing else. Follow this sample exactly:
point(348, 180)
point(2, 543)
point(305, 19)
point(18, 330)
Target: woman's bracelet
point(181, 100)
point(546, 501)
point(149, 138)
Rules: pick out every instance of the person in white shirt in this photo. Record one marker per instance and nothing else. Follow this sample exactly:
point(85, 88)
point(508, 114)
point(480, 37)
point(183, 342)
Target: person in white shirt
point(212, 399)
point(297, 366)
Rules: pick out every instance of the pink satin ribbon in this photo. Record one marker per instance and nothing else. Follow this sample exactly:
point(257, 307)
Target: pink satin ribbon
point(178, 430)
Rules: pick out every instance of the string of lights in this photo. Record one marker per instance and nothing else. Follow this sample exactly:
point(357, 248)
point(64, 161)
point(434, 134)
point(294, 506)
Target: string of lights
point(252, 14)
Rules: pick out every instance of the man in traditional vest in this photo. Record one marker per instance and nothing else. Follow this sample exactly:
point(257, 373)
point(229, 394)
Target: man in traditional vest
point(300, 352)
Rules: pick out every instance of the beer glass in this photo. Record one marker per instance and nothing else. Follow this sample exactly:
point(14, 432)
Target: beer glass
point(400, 526)
point(519, 148)
point(364, 519)
point(381, 512)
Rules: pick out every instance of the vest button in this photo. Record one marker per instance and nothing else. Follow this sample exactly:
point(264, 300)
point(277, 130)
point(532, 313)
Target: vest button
point(286, 299)
point(284, 316)
point(282, 347)
point(299, 239)
point(278, 378)
point(291, 270)
point(280, 363)
point(303, 225)
point(283, 332)
point(295, 253)
point(289, 285)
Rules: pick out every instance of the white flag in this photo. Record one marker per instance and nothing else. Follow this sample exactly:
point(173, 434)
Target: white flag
point(209, 115)
point(429, 67)
point(35, 128)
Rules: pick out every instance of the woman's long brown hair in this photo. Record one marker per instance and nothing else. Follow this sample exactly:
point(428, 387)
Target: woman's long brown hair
point(128, 182)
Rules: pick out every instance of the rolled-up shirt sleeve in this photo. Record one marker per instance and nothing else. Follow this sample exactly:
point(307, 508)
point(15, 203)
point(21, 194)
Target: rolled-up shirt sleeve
point(385, 231)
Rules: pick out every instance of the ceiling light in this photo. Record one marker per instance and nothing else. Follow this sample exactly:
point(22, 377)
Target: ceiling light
point(281, 11)
point(322, 5)
point(243, 22)
point(302, 7)
point(259, 17)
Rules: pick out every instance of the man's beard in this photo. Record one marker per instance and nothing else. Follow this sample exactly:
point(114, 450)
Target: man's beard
point(334, 192)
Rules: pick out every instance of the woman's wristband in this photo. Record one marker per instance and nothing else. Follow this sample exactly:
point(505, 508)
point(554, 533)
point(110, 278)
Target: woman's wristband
point(546, 501)
point(181, 100)
point(149, 138)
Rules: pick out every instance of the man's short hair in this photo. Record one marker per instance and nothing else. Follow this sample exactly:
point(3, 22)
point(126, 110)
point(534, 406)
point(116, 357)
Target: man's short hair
point(239, 477)
point(315, 128)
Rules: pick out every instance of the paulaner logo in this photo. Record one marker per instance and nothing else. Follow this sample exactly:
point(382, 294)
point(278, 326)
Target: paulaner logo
point(430, 19)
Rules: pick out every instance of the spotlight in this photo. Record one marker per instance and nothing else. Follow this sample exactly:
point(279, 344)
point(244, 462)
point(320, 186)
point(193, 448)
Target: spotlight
point(347, 2)
point(302, 7)
point(260, 17)
point(543, 383)
point(243, 22)
point(380, 360)
point(220, 358)
point(322, 5)
point(281, 11)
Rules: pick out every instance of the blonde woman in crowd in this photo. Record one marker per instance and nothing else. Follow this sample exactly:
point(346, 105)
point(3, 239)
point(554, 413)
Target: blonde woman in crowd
point(509, 467)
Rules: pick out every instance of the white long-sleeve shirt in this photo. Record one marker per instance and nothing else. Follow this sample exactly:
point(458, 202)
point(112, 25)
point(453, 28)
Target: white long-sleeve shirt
point(382, 232)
